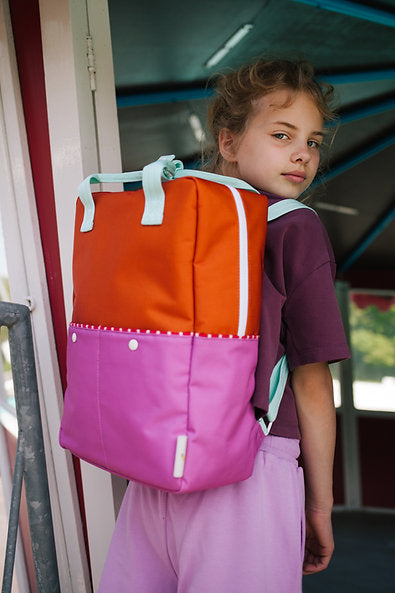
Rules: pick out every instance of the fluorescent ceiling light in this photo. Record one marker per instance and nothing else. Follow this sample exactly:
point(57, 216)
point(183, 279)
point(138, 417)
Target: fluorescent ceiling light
point(197, 128)
point(337, 208)
point(228, 45)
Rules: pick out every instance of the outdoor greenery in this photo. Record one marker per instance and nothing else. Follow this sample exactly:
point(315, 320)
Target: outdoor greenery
point(373, 342)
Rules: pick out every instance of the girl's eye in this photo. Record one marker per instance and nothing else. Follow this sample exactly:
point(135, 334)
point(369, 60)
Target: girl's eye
point(313, 144)
point(281, 135)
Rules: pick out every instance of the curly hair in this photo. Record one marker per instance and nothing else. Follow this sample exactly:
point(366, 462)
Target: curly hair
point(236, 91)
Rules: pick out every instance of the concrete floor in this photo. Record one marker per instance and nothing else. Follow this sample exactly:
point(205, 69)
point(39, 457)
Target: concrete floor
point(364, 558)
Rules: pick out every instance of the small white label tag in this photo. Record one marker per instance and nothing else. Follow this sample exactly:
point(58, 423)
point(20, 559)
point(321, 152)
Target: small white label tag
point(179, 459)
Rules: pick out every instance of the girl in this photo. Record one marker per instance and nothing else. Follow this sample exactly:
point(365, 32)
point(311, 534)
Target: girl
point(267, 126)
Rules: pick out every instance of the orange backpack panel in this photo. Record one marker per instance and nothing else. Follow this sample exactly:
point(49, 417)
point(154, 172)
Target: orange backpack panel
point(180, 276)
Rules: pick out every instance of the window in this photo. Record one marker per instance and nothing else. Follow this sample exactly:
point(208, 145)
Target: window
point(372, 323)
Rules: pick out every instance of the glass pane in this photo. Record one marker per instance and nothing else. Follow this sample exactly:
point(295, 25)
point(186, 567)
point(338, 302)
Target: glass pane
point(7, 404)
point(336, 384)
point(372, 321)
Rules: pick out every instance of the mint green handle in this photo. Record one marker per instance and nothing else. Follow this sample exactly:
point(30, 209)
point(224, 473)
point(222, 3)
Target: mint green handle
point(85, 194)
point(151, 176)
point(222, 179)
point(165, 168)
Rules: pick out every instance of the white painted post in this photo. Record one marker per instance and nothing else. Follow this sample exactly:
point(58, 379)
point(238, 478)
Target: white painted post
point(349, 426)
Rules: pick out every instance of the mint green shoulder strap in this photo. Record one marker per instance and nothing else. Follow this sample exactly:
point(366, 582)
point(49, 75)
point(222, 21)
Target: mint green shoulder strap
point(279, 376)
point(278, 380)
point(283, 206)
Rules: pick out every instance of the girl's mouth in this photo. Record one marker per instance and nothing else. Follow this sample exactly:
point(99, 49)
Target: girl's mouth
point(295, 176)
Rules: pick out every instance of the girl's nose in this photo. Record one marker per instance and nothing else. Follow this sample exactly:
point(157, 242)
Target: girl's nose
point(301, 154)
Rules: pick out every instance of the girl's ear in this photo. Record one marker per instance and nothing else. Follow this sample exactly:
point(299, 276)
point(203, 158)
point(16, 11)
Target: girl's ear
point(227, 145)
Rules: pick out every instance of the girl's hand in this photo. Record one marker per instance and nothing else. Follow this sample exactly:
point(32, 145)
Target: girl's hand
point(312, 385)
point(319, 541)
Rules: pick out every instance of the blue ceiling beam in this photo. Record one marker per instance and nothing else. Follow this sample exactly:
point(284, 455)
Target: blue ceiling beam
point(354, 9)
point(378, 228)
point(189, 94)
point(366, 111)
point(167, 96)
point(355, 159)
point(368, 239)
point(358, 75)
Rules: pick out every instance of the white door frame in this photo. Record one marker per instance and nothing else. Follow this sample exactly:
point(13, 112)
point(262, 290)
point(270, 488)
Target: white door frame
point(28, 286)
point(84, 139)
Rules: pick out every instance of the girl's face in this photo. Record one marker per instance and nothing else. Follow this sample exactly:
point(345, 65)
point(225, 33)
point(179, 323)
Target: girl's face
point(278, 151)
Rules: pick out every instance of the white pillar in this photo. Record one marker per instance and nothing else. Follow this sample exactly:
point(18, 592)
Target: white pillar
point(349, 420)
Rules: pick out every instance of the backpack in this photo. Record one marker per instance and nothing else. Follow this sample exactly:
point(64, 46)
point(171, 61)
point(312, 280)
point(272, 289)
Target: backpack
point(163, 343)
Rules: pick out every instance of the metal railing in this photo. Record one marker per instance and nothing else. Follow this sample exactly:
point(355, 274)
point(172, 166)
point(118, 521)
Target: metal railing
point(30, 463)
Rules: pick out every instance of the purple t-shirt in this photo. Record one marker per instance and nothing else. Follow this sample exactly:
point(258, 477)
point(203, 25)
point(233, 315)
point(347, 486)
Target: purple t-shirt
point(300, 315)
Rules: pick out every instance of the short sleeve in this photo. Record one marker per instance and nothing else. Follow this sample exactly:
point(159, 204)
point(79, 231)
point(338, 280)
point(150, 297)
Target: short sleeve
point(313, 330)
point(312, 326)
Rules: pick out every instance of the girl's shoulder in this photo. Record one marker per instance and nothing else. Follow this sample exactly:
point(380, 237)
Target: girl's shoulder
point(298, 228)
point(297, 244)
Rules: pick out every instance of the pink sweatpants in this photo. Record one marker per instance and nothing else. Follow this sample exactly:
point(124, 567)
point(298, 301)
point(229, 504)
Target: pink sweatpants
point(243, 538)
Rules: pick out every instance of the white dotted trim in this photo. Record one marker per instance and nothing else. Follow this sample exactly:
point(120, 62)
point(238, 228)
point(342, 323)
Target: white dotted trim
point(158, 332)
